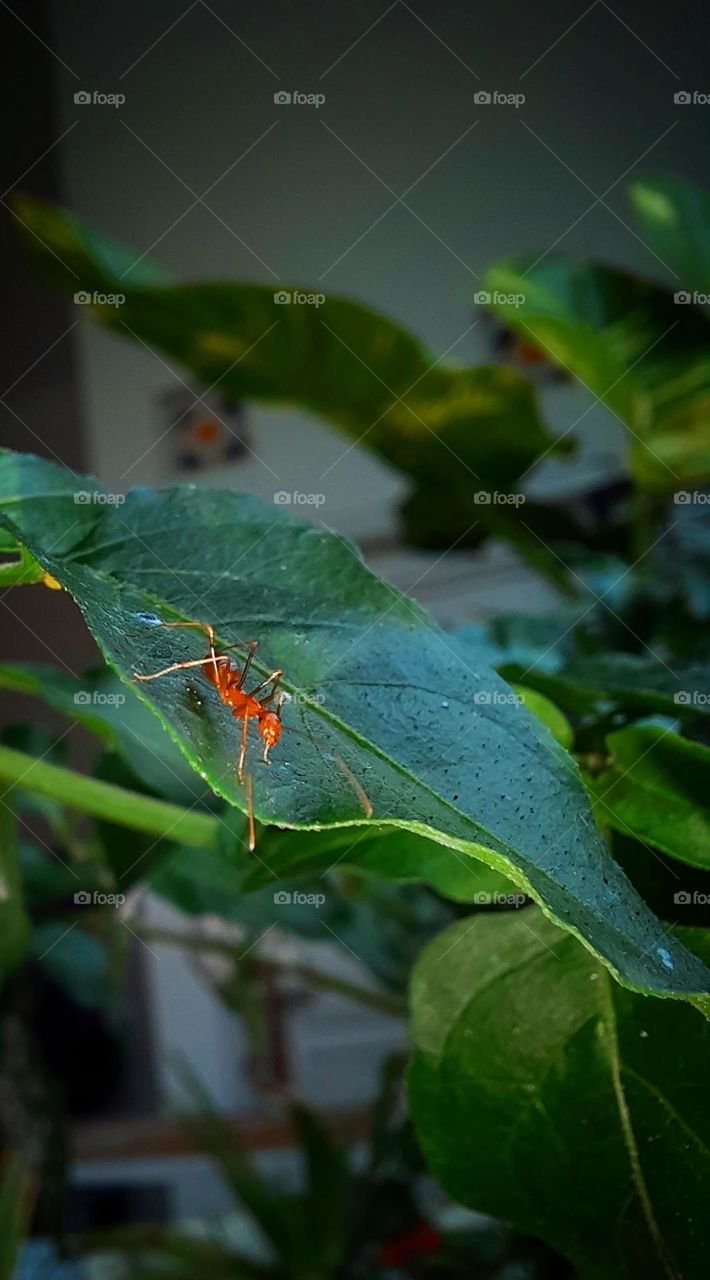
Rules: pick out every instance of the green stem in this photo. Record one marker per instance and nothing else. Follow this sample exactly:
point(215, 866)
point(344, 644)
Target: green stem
point(392, 1006)
point(104, 800)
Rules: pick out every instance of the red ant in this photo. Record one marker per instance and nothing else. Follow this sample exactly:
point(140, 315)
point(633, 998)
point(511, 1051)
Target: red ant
point(228, 679)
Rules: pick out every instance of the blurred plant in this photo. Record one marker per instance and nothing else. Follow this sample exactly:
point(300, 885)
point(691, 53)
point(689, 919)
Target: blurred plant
point(351, 1216)
point(15, 1212)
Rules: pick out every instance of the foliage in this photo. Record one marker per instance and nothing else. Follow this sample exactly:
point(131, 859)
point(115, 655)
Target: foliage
point(456, 757)
point(528, 1057)
point(562, 759)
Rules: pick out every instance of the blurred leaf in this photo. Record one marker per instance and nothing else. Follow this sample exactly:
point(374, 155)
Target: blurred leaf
point(80, 962)
point(388, 853)
point(14, 925)
point(97, 700)
point(384, 698)
point(548, 713)
point(682, 557)
point(328, 1186)
point(384, 926)
point(636, 682)
point(15, 1213)
point(657, 788)
point(547, 1096)
point(675, 221)
point(645, 357)
point(451, 430)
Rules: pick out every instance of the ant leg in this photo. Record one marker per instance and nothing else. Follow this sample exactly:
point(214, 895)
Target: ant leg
point(208, 630)
point(175, 666)
point(245, 669)
point(249, 788)
point(243, 748)
point(273, 679)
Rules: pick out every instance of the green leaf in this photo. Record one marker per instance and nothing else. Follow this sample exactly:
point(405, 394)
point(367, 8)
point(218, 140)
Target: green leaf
point(451, 430)
point(15, 1213)
point(627, 341)
point(545, 710)
point(657, 788)
point(545, 1095)
point(637, 682)
point(382, 696)
point(99, 702)
point(14, 925)
point(325, 1200)
point(675, 221)
point(390, 853)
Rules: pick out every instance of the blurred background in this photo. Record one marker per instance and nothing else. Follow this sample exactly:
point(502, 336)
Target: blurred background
point(394, 186)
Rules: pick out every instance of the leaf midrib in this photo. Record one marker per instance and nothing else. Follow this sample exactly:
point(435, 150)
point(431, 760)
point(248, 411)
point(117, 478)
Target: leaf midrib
point(611, 1042)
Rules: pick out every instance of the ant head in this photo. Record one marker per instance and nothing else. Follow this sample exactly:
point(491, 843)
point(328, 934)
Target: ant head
point(270, 728)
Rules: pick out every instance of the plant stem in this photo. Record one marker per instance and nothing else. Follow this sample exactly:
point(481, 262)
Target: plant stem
point(391, 1005)
point(105, 800)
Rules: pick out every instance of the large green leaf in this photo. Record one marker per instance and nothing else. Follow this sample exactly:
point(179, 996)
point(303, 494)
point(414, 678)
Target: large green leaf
point(657, 788)
point(439, 743)
point(644, 356)
point(452, 430)
point(675, 220)
point(545, 1095)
